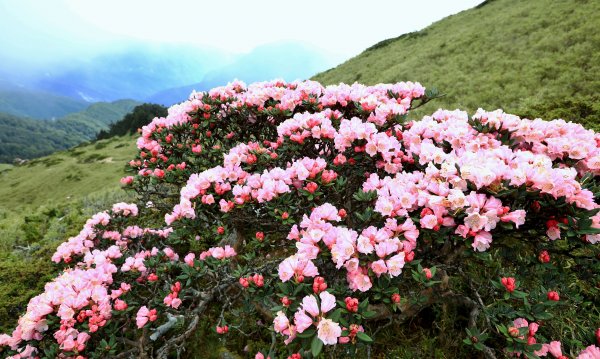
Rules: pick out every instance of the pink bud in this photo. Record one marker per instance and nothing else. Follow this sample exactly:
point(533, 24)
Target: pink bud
point(427, 272)
point(552, 295)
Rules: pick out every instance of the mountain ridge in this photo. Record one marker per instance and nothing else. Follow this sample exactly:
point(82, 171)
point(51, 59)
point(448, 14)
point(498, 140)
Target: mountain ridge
point(287, 60)
point(26, 138)
point(42, 105)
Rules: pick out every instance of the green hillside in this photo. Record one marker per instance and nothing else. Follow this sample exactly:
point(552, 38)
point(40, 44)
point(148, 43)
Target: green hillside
point(534, 58)
point(26, 138)
point(69, 174)
point(95, 118)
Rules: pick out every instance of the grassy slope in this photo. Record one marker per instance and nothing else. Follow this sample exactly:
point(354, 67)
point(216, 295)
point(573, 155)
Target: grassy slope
point(67, 174)
point(510, 54)
point(45, 202)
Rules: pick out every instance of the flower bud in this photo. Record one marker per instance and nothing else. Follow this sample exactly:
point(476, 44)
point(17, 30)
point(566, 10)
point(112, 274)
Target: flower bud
point(544, 257)
point(552, 295)
point(427, 272)
point(509, 283)
point(286, 301)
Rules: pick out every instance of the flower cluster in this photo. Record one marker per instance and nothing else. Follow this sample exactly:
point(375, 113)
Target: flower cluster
point(308, 314)
point(67, 298)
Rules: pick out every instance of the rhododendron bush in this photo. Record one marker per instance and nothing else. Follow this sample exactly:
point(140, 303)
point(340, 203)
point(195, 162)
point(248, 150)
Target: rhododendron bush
point(295, 220)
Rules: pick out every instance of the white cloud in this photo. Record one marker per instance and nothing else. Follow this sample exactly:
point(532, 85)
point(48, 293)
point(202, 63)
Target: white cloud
point(38, 31)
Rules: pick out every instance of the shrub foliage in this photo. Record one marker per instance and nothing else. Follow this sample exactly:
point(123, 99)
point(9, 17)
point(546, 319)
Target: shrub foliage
point(296, 220)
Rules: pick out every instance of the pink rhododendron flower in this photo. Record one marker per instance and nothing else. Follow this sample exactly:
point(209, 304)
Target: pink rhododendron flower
point(189, 259)
point(482, 241)
point(554, 349)
point(302, 321)
point(294, 266)
point(328, 331)
point(591, 352)
point(144, 315)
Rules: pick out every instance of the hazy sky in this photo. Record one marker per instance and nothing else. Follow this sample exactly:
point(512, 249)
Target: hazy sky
point(49, 30)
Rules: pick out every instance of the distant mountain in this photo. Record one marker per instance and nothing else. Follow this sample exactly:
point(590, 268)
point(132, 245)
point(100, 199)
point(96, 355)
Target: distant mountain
point(134, 72)
point(289, 61)
point(25, 138)
point(532, 58)
point(86, 124)
point(164, 74)
point(22, 101)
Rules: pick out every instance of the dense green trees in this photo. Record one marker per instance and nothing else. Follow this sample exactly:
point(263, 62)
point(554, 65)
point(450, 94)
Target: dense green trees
point(140, 116)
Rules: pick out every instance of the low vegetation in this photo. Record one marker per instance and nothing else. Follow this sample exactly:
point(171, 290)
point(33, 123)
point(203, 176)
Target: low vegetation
point(536, 58)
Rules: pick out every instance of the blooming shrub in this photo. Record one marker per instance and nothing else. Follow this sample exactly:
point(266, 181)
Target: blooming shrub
point(309, 218)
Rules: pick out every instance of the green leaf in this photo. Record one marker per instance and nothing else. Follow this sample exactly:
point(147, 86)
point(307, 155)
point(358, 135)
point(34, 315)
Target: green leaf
point(502, 329)
point(364, 337)
point(306, 334)
point(363, 305)
point(535, 346)
point(316, 346)
point(335, 316)
point(589, 231)
point(543, 315)
point(298, 290)
point(369, 314)
point(284, 287)
point(344, 322)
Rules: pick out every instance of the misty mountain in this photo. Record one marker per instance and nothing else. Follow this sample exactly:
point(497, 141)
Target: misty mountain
point(290, 61)
point(22, 101)
point(136, 72)
point(164, 74)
